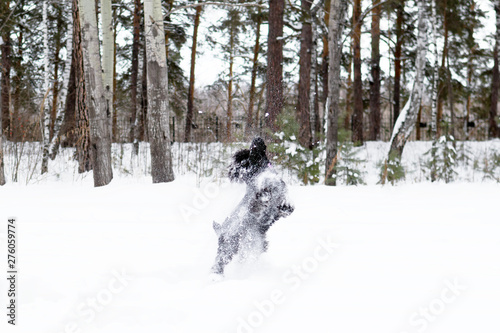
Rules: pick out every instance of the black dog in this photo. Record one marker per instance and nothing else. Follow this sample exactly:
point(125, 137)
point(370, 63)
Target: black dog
point(265, 201)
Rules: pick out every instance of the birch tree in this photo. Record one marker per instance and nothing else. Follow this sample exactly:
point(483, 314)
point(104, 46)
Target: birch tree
point(157, 91)
point(338, 9)
point(99, 115)
point(108, 46)
point(406, 120)
point(45, 111)
point(61, 98)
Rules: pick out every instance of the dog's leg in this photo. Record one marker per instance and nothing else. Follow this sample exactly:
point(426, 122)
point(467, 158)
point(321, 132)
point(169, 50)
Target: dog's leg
point(228, 247)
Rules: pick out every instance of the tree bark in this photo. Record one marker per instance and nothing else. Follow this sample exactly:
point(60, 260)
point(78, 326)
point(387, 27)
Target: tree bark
point(274, 98)
point(406, 120)
point(493, 130)
point(357, 116)
point(6, 65)
point(397, 58)
point(190, 105)
point(255, 65)
point(338, 10)
point(439, 115)
point(45, 110)
point(375, 71)
point(108, 46)
point(157, 91)
point(135, 69)
point(304, 89)
point(96, 99)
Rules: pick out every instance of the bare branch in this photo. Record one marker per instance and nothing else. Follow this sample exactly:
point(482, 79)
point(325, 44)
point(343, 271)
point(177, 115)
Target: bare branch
point(251, 4)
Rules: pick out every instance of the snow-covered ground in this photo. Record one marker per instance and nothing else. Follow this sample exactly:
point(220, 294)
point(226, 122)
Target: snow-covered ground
point(136, 257)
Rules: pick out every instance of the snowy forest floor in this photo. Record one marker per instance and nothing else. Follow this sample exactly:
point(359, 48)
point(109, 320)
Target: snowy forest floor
point(136, 257)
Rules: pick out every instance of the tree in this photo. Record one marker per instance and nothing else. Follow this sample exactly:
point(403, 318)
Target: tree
point(406, 120)
point(6, 66)
point(108, 51)
point(357, 116)
point(255, 64)
point(157, 93)
point(375, 73)
point(45, 91)
point(99, 115)
point(135, 70)
point(493, 130)
point(304, 89)
point(397, 57)
point(338, 9)
point(274, 95)
point(190, 103)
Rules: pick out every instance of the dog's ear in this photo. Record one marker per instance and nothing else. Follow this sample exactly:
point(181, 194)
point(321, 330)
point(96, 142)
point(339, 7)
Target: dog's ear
point(241, 155)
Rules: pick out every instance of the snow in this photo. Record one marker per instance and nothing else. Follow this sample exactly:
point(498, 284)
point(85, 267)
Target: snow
point(134, 257)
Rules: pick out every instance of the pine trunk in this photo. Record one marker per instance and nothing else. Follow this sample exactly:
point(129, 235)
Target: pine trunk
point(135, 69)
point(96, 97)
point(6, 65)
point(255, 65)
point(190, 105)
point(375, 71)
point(157, 93)
point(338, 10)
point(304, 89)
point(274, 98)
point(357, 116)
point(493, 130)
point(439, 115)
point(406, 120)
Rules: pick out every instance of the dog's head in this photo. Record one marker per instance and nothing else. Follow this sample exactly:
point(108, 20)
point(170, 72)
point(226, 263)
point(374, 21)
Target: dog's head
point(257, 150)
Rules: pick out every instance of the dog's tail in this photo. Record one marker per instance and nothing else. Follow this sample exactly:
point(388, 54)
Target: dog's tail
point(217, 228)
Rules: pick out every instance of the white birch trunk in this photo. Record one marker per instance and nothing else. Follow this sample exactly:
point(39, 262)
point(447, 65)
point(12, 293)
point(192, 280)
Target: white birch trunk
point(45, 88)
point(157, 90)
point(406, 120)
point(108, 46)
point(338, 10)
point(99, 116)
point(61, 103)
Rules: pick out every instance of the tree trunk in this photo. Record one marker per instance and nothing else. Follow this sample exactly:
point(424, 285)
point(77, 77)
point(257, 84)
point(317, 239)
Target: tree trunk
point(274, 98)
point(45, 110)
point(357, 116)
point(190, 105)
point(2, 173)
point(108, 46)
point(439, 115)
point(375, 71)
point(135, 69)
point(397, 58)
point(304, 89)
point(62, 96)
point(406, 120)
point(493, 130)
point(96, 101)
point(450, 100)
point(6, 65)
point(157, 91)
point(232, 39)
point(57, 61)
point(338, 10)
point(255, 65)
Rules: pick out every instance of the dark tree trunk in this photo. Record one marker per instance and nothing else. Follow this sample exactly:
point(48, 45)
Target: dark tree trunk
point(190, 105)
point(439, 115)
point(493, 130)
point(304, 89)
point(82, 134)
point(255, 65)
point(135, 69)
point(5, 81)
point(397, 58)
point(274, 98)
point(357, 116)
point(375, 71)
